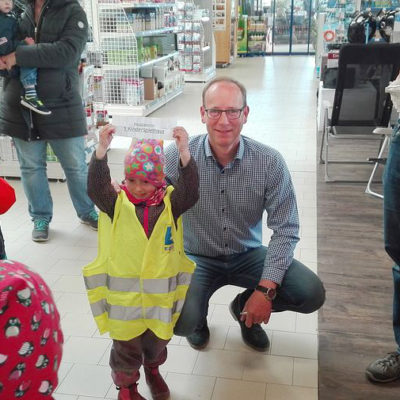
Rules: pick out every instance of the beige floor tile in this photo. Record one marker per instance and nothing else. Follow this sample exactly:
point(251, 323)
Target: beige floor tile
point(221, 363)
point(307, 323)
point(305, 372)
point(84, 350)
point(282, 321)
point(58, 396)
point(269, 369)
point(175, 356)
point(294, 344)
point(69, 302)
point(238, 390)
point(78, 324)
point(282, 392)
point(87, 380)
point(190, 387)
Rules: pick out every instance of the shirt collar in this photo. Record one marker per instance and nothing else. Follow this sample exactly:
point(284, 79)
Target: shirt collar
point(209, 153)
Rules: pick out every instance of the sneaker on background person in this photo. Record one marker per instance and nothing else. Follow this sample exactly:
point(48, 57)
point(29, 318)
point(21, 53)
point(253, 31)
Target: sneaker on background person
point(40, 231)
point(386, 369)
point(91, 219)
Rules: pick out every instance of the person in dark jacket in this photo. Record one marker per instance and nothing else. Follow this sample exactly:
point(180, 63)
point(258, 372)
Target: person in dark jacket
point(8, 43)
point(59, 28)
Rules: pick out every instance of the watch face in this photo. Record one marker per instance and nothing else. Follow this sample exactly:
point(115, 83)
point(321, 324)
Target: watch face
point(271, 293)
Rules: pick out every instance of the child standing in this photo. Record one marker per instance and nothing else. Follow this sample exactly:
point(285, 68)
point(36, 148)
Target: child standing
point(8, 44)
point(138, 282)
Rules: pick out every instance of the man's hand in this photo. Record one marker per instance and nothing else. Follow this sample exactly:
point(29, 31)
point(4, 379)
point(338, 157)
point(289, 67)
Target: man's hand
point(9, 60)
point(256, 310)
point(182, 143)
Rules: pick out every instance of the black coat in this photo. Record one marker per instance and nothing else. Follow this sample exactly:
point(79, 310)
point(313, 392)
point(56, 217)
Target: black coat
point(8, 33)
point(59, 41)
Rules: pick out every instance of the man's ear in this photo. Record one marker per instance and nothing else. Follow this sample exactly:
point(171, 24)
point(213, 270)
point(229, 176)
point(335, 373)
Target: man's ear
point(203, 114)
point(246, 111)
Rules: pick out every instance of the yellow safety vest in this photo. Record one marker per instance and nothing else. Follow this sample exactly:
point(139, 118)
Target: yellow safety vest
point(138, 283)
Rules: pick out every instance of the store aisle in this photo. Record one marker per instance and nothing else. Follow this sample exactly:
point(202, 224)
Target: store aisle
point(281, 96)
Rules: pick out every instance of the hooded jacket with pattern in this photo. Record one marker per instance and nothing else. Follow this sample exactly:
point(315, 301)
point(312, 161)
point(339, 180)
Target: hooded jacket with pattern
point(60, 37)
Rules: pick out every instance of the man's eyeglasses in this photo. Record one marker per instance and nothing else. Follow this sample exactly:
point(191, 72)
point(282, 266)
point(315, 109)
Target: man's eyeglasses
point(233, 113)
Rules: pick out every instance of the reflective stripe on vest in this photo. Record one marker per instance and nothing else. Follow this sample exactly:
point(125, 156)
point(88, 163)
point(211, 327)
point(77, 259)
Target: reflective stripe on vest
point(131, 313)
point(133, 284)
point(138, 283)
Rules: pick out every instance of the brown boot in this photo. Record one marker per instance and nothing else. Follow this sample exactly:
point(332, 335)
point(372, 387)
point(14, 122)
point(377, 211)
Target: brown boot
point(158, 388)
point(129, 393)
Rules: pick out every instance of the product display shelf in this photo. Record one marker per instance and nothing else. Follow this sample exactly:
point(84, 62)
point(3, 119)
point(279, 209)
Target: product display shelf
point(144, 109)
point(196, 43)
point(225, 31)
point(138, 60)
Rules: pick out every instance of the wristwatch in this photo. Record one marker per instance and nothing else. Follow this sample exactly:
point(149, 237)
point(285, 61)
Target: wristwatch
point(269, 293)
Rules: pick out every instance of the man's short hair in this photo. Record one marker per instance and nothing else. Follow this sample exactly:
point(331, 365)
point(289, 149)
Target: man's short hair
point(225, 79)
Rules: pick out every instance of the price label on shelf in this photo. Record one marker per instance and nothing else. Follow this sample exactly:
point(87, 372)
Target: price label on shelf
point(144, 127)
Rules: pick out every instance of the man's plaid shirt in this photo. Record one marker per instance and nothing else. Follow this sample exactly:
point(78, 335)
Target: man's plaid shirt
point(227, 219)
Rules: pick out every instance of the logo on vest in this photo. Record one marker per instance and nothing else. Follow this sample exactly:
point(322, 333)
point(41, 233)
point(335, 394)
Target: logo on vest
point(168, 242)
point(3, 40)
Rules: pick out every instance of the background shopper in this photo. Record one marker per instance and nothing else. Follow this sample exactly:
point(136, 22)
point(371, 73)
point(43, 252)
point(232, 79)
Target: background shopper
point(387, 369)
point(61, 34)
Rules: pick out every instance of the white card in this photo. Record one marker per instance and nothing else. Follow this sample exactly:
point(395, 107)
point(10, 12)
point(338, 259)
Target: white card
point(144, 127)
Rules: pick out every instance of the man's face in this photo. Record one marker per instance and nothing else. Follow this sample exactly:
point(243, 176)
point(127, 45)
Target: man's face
point(6, 6)
point(223, 130)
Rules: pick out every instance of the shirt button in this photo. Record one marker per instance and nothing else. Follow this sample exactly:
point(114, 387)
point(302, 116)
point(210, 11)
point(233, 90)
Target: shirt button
point(223, 171)
point(224, 228)
point(222, 191)
point(223, 209)
point(226, 245)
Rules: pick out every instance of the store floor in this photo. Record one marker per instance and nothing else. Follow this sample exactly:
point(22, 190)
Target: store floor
point(281, 95)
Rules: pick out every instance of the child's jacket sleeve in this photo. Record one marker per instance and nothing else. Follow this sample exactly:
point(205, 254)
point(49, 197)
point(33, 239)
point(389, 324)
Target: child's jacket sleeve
point(7, 196)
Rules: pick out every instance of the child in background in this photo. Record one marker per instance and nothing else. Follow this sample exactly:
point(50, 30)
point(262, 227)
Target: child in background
point(8, 44)
point(30, 335)
point(138, 282)
point(7, 199)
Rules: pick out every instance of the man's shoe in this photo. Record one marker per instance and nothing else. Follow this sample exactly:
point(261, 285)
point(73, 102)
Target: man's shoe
point(34, 104)
point(40, 231)
point(385, 369)
point(91, 219)
point(129, 393)
point(255, 337)
point(158, 388)
point(199, 338)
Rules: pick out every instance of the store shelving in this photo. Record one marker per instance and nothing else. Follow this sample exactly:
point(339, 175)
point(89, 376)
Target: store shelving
point(196, 43)
point(133, 41)
point(225, 30)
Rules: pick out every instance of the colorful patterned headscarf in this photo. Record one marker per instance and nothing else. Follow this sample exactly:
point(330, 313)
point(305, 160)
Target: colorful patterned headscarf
point(30, 335)
point(145, 160)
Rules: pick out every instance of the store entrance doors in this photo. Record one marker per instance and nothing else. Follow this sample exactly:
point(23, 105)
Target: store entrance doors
point(292, 26)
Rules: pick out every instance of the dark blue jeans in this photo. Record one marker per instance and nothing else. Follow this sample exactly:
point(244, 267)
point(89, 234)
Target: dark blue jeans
point(301, 290)
point(391, 204)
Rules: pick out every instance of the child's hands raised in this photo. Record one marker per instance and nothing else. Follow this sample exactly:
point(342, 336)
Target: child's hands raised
point(105, 138)
point(182, 143)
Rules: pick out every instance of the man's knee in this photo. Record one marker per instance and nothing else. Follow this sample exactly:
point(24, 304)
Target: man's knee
point(314, 298)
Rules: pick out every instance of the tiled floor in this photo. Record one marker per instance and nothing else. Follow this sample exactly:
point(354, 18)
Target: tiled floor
point(281, 95)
